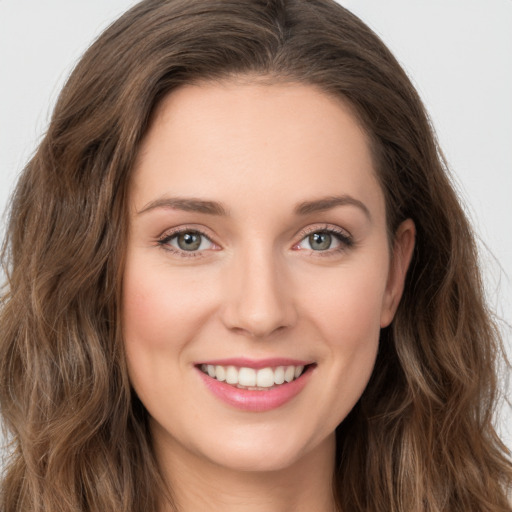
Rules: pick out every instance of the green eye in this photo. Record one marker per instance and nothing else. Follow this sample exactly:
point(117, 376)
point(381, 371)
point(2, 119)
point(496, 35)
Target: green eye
point(320, 241)
point(189, 241)
point(326, 240)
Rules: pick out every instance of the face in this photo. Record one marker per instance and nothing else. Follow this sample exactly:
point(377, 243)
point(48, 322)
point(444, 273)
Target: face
point(258, 273)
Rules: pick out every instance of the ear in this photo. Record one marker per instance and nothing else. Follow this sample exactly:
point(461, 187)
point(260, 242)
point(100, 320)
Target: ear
point(403, 247)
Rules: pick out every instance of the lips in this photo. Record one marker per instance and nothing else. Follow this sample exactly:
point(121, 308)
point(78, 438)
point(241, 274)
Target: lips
point(255, 385)
point(246, 377)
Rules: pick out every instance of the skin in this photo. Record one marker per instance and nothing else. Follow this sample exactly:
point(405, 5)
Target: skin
point(256, 287)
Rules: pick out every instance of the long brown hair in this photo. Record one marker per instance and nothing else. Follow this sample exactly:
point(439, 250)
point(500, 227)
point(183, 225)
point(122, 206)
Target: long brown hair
point(421, 438)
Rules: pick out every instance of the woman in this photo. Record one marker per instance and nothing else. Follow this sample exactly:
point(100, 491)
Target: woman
point(239, 278)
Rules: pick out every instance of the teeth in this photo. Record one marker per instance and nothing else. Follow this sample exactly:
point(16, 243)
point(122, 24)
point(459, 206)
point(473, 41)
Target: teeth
point(289, 373)
point(265, 378)
point(231, 375)
point(247, 377)
point(279, 375)
point(220, 373)
point(251, 378)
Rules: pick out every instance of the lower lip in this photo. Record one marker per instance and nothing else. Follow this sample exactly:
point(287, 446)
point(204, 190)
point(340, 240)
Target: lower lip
point(256, 401)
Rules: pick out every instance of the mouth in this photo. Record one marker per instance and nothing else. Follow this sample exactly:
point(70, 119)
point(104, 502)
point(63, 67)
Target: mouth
point(255, 386)
point(261, 379)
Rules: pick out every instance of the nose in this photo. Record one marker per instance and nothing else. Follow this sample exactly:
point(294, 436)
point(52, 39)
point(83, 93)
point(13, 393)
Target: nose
point(259, 299)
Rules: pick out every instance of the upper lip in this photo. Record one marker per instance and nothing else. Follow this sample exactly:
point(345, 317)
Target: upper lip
point(243, 362)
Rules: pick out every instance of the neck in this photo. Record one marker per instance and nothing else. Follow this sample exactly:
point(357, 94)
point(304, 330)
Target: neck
point(199, 484)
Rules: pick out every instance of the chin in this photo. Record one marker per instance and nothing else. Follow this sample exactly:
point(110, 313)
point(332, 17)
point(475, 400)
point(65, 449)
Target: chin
point(255, 459)
point(272, 453)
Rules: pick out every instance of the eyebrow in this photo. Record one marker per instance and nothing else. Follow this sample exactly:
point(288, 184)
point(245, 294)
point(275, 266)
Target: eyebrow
point(186, 204)
point(216, 208)
point(327, 203)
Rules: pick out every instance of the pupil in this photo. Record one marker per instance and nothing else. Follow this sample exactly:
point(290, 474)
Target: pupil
point(189, 241)
point(320, 241)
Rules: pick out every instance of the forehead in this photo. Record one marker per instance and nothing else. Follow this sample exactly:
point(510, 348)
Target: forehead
point(278, 141)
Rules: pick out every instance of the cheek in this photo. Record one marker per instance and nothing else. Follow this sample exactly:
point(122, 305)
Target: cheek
point(351, 326)
point(161, 307)
point(162, 310)
point(346, 314)
point(348, 308)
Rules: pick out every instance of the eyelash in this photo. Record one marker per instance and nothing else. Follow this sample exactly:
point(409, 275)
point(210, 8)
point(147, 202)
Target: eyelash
point(167, 237)
point(346, 241)
point(344, 238)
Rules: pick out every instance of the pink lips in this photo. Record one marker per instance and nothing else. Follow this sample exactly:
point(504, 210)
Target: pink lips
point(251, 400)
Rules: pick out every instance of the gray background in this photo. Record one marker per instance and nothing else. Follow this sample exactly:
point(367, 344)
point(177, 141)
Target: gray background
point(457, 52)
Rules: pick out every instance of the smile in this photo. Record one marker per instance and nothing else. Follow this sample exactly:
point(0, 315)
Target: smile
point(251, 378)
point(255, 386)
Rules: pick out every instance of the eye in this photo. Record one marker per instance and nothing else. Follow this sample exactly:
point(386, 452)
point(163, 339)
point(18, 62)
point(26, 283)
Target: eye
point(320, 241)
point(190, 241)
point(325, 240)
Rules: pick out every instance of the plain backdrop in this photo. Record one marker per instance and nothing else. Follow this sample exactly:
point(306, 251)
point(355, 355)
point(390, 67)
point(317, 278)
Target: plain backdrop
point(458, 54)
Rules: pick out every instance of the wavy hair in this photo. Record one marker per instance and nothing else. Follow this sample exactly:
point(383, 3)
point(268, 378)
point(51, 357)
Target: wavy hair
point(421, 437)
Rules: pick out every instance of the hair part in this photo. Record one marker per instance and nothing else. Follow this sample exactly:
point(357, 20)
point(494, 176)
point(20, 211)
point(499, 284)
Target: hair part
point(420, 438)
